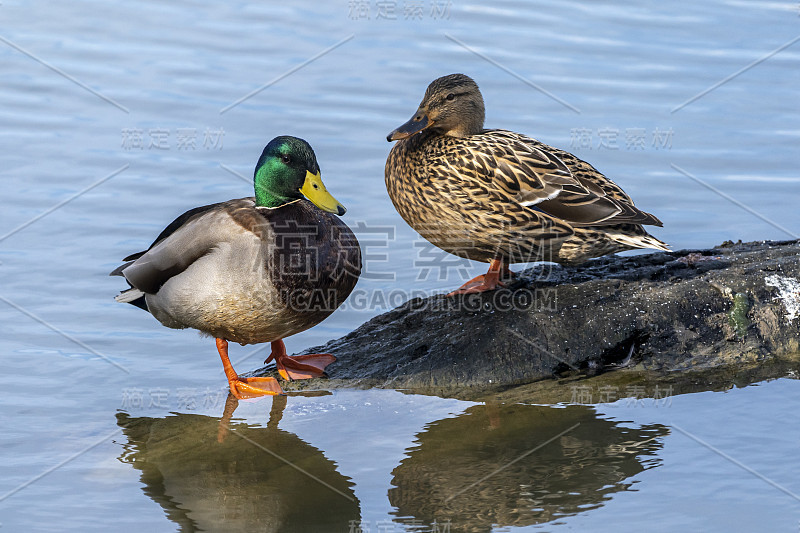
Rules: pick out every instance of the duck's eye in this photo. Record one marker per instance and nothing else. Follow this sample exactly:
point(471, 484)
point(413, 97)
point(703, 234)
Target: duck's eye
point(316, 186)
point(286, 158)
point(451, 96)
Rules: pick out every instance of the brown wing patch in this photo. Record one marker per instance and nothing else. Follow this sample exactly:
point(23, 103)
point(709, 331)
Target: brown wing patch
point(579, 193)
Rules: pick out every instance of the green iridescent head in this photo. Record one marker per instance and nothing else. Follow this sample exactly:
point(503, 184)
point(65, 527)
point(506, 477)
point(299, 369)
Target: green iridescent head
point(286, 171)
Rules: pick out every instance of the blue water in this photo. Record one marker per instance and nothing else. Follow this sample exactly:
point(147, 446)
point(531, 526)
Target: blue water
point(144, 92)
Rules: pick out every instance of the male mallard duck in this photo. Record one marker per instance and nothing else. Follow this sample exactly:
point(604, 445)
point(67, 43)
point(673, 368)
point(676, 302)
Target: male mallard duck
point(256, 269)
point(501, 197)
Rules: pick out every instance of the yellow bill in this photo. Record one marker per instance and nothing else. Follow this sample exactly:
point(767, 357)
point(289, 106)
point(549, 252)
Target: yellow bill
point(315, 191)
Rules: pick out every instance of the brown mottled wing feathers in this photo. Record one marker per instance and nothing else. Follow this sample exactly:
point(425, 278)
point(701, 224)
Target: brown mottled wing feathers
point(550, 180)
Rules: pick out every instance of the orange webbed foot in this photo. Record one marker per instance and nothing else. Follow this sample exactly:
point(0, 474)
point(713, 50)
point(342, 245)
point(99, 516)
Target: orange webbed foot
point(481, 283)
point(300, 366)
point(485, 282)
point(243, 388)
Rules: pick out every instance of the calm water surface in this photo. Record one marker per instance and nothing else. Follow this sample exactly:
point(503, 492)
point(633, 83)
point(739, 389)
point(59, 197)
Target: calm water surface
point(117, 118)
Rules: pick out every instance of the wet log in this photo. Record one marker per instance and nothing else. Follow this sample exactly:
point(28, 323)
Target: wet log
point(736, 304)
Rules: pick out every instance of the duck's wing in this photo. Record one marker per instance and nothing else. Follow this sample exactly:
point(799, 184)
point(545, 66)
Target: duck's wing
point(552, 181)
point(592, 178)
point(186, 239)
point(173, 227)
point(169, 230)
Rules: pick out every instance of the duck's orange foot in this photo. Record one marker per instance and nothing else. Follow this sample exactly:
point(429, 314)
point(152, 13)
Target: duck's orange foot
point(482, 283)
point(244, 388)
point(304, 366)
point(485, 282)
point(300, 366)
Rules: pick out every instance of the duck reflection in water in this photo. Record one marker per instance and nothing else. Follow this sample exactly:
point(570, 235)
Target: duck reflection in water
point(506, 465)
point(218, 474)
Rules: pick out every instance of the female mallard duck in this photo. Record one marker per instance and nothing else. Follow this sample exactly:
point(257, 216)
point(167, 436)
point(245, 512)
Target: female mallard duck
point(256, 269)
point(501, 197)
